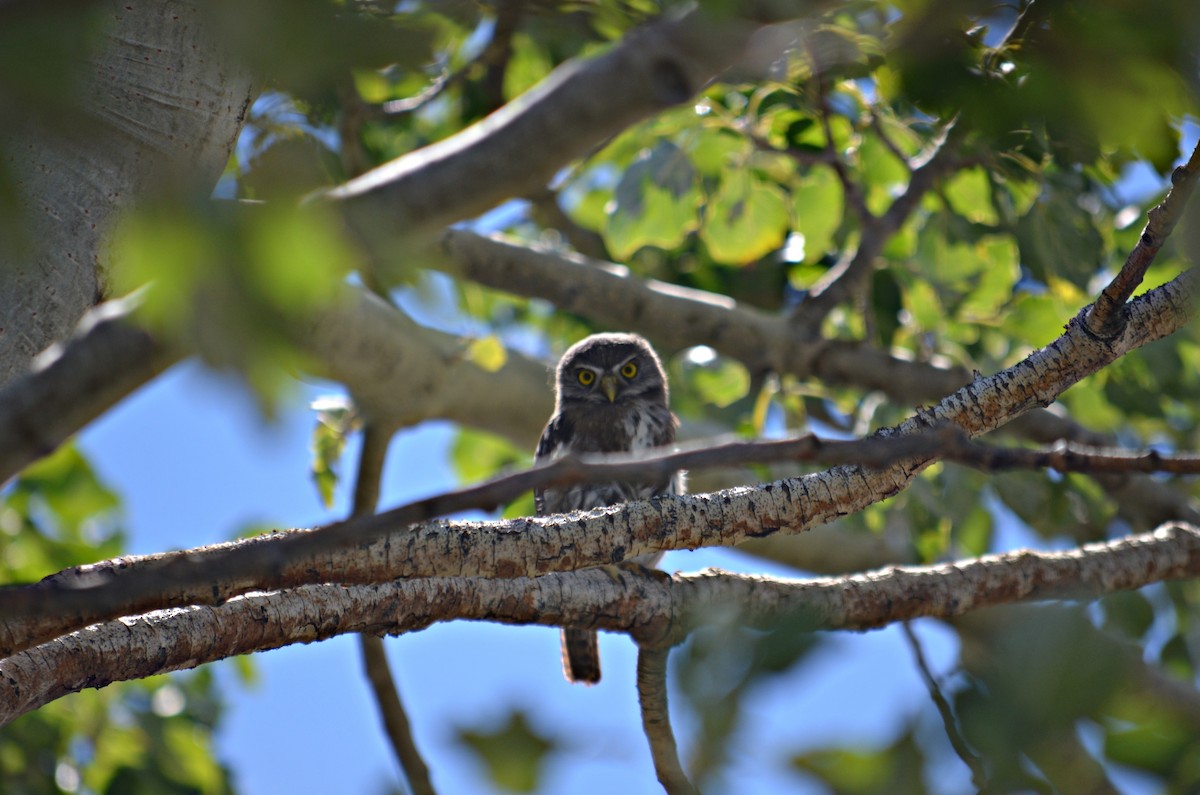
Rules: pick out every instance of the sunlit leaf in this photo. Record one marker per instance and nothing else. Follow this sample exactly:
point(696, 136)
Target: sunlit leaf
point(817, 210)
point(655, 204)
point(336, 420)
point(745, 219)
point(969, 194)
point(721, 384)
point(487, 352)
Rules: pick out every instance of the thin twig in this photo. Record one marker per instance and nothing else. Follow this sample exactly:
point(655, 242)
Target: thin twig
point(375, 662)
point(949, 719)
point(852, 190)
point(656, 721)
point(844, 280)
point(1105, 319)
point(1068, 458)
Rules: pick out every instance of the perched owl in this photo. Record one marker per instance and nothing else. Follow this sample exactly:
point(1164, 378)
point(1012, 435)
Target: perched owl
point(610, 397)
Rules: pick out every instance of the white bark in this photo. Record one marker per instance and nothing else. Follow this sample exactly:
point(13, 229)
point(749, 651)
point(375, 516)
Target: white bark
point(158, 103)
point(654, 609)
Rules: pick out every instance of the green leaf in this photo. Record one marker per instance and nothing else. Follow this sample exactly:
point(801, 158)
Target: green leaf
point(722, 383)
point(969, 195)
point(336, 420)
point(655, 204)
point(478, 455)
point(817, 210)
point(1128, 612)
point(882, 174)
point(745, 220)
point(513, 754)
point(1058, 238)
point(66, 485)
point(715, 149)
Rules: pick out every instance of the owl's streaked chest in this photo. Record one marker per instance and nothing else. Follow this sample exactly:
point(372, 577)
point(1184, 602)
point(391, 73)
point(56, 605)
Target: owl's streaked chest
point(590, 430)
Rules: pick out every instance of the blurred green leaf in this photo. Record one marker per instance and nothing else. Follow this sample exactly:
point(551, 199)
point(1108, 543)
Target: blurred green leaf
point(1129, 613)
point(969, 195)
point(1058, 238)
point(656, 202)
point(722, 383)
point(514, 754)
point(234, 283)
point(336, 419)
point(817, 209)
point(745, 219)
point(851, 771)
point(477, 455)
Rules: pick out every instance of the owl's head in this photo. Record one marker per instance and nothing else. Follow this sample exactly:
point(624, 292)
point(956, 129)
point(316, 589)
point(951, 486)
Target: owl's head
point(611, 369)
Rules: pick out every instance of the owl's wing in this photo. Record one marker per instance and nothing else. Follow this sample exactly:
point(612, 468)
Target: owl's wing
point(554, 442)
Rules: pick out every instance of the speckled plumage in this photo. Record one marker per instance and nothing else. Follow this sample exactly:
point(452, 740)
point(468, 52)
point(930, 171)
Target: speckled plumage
point(611, 396)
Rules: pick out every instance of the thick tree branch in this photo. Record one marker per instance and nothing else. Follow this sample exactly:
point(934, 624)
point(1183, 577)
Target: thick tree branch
point(656, 720)
point(150, 113)
point(401, 373)
point(517, 150)
point(652, 608)
point(105, 360)
point(386, 546)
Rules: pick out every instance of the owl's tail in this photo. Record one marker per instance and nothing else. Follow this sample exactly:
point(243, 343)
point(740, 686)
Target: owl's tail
point(581, 656)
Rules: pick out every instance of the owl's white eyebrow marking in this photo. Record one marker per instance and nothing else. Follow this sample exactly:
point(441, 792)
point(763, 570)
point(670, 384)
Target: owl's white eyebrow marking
point(626, 361)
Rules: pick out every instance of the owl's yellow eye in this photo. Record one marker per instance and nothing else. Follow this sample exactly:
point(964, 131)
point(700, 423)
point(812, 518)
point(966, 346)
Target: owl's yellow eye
point(629, 370)
point(586, 377)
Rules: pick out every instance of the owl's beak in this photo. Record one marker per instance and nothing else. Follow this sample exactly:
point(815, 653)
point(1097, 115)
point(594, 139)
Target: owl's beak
point(608, 385)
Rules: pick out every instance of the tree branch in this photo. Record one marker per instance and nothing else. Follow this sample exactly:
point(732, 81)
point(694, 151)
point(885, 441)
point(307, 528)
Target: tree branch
point(949, 720)
point(382, 547)
point(105, 360)
point(74, 177)
point(656, 720)
point(518, 149)
point(1105, 319)
point(401, 373)
point(652, 608)
point(396, 725)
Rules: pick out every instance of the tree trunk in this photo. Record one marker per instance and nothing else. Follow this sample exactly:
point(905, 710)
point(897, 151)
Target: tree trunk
point(158, 103)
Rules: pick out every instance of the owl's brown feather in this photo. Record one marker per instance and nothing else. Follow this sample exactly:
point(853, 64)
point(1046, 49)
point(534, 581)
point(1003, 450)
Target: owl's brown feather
point(611, 396)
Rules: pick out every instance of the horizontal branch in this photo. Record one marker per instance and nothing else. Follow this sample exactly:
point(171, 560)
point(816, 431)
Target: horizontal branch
point(652, 608)
point(386, 546)
point(1064, 459)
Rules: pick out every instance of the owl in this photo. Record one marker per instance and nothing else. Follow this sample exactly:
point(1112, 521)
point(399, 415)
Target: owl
point(610, 397)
